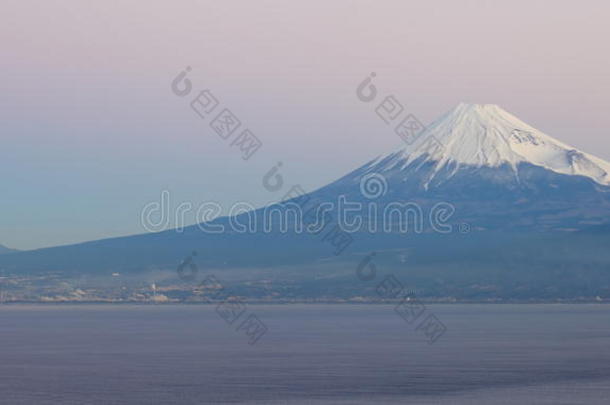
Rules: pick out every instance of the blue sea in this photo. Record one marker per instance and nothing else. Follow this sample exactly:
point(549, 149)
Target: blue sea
point(305, 354)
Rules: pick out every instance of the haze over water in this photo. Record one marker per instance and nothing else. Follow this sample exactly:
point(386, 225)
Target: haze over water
point(311, 354)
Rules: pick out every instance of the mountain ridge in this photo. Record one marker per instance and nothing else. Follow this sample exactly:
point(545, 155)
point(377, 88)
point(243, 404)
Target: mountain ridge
point(5, 250)
point(531, 230)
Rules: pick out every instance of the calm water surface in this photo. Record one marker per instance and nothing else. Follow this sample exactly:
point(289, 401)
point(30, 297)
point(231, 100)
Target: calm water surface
point(311, 354)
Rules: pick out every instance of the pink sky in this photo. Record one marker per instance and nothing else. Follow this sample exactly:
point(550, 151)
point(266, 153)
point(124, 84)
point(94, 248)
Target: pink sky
point(91, 131)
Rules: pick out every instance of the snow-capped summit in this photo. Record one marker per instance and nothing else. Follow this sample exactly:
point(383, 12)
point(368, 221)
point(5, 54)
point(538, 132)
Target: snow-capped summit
point(477, 135)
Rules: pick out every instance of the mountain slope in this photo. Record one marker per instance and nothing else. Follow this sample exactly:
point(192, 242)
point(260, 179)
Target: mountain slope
point(521, 206)
point(4, 250)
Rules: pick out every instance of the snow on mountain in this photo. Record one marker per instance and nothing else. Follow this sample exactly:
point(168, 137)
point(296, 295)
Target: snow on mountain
point(499, 176)
point(478, 135)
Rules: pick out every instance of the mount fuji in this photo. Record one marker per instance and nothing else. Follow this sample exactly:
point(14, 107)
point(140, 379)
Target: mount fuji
point(484, 135)
point(529, 218)
point(497, 171)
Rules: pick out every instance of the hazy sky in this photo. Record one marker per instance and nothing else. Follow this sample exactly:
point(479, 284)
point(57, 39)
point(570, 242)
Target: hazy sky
point(91, 131)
